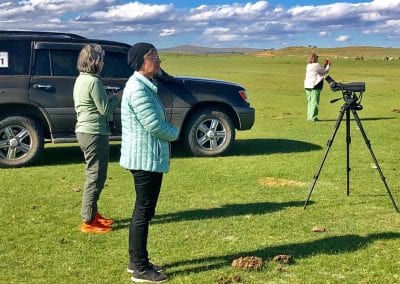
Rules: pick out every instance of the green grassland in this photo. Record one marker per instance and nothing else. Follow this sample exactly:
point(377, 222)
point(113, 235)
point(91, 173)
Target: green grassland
point(247, 203)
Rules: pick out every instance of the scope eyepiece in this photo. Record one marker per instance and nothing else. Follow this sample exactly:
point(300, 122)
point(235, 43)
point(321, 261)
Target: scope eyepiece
point(350, 87)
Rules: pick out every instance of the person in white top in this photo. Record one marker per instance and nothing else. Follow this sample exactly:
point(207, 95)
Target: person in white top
point(313, 84)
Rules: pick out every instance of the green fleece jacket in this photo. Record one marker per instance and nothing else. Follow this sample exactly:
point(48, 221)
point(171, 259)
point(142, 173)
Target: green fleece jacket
point(92, 105)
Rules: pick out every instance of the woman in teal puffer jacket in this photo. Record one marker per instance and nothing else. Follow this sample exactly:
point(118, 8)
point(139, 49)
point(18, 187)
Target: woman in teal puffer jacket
point(145, 151)
point(145, 133)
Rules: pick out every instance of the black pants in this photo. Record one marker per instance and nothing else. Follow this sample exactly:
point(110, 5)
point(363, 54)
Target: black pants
point(147, 187)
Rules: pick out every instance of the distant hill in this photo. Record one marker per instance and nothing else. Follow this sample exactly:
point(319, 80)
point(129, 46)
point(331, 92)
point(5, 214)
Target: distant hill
point(193, 49)
point(349, 51)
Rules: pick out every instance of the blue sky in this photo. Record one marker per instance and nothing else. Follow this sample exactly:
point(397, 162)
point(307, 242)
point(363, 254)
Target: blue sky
point(214, 23)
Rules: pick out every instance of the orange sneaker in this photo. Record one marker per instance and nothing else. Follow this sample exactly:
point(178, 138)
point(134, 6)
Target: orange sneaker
point(95, 227)
point(104, 221)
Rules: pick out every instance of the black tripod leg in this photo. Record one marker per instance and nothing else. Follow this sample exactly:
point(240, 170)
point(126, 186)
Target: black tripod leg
point(329, 144)
point(358, 121)
point(348, 141)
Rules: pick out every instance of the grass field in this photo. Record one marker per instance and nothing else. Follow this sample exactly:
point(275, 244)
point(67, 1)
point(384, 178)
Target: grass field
point(247, 203)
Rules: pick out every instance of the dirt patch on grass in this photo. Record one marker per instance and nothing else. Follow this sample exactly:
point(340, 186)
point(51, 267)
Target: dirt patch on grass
point(275, 182)
point(265, 54)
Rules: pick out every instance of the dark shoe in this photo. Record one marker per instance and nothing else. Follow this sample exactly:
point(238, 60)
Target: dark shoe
point(149, 275)
point(153, 266)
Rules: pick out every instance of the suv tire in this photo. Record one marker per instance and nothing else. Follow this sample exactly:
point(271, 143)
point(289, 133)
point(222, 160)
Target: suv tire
point(21, 141)
point(209, 132)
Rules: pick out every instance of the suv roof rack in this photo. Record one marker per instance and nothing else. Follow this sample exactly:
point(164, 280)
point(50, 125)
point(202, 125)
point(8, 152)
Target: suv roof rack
point(41, 34)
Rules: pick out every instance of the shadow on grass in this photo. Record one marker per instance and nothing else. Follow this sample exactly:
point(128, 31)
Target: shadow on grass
point(253, 147)
point(228, 210)
point(328, 245)
point(249, 147)
point(71, 154)
point(362, 119)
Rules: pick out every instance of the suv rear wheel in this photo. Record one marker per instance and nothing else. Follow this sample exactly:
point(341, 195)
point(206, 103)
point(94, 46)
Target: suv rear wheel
point(21, 141)
point(209, 132)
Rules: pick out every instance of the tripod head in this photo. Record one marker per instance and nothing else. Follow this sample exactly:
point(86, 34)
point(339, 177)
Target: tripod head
point(349, 92)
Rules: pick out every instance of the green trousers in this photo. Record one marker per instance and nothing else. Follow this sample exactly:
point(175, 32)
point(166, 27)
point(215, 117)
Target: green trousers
point(95, 150)
point(312, 103)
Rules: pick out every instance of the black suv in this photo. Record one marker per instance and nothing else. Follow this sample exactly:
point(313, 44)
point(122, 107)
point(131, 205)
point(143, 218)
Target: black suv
point(37, 74)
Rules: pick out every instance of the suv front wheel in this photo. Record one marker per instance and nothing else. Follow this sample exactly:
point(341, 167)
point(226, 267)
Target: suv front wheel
point(21, 141)
point(209, 132)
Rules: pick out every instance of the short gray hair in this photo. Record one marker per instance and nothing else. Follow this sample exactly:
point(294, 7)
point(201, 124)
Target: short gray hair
point(89, 58)
point(312, 58)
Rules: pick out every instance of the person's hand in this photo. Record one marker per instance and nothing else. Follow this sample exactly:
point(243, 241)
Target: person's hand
point(326, 62)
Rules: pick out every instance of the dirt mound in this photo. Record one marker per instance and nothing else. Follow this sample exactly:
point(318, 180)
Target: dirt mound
point(248, 263)
point(284, 258)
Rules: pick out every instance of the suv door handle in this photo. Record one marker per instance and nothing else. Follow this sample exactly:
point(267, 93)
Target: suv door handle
point(46, 87)
point(113, 89)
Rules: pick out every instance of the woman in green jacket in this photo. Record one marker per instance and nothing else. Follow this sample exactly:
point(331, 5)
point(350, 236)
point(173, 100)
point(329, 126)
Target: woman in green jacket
point(93, 107)
point(145, 151)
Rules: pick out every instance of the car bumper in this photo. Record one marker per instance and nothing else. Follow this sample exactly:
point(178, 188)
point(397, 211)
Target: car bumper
point(246, 117)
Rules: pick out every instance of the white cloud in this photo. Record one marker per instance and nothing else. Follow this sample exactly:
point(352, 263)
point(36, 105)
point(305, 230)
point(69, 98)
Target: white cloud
point(123, 29)
point(39, 10)
point(324, 12)
point(392, 24)
point(373, 16)
point(227, 37)
point(133, 11)
point(233, 11)
point(386, 4)
point(9, 11)
point(352, 12)
point(55, 20)
point(167, 32)
point(5, 4)
point(216, 30)
point(63, 6)
point(323, 33)
point(342, 38)
point(220, 34)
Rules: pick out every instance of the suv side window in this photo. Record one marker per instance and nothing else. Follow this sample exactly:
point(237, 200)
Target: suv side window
point(116, 65)
point(15, 57)
point(42, 62)
point(56, 62)
point(63, 62)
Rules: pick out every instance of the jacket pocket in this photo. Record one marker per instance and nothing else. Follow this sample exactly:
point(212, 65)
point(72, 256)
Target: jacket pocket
point(158, 150)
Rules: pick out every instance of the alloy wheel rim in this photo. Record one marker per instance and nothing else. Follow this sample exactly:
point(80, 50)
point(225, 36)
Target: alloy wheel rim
point(15, 142)
point(210, 134)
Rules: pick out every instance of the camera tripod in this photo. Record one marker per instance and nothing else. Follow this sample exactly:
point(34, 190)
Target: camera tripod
point(351, 105)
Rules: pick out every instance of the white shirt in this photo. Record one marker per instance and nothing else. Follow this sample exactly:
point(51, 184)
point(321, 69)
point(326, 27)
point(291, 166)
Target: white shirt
point(314, 74)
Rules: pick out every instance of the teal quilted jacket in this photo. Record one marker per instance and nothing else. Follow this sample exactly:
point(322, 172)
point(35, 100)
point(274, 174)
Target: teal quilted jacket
point(146, 135)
